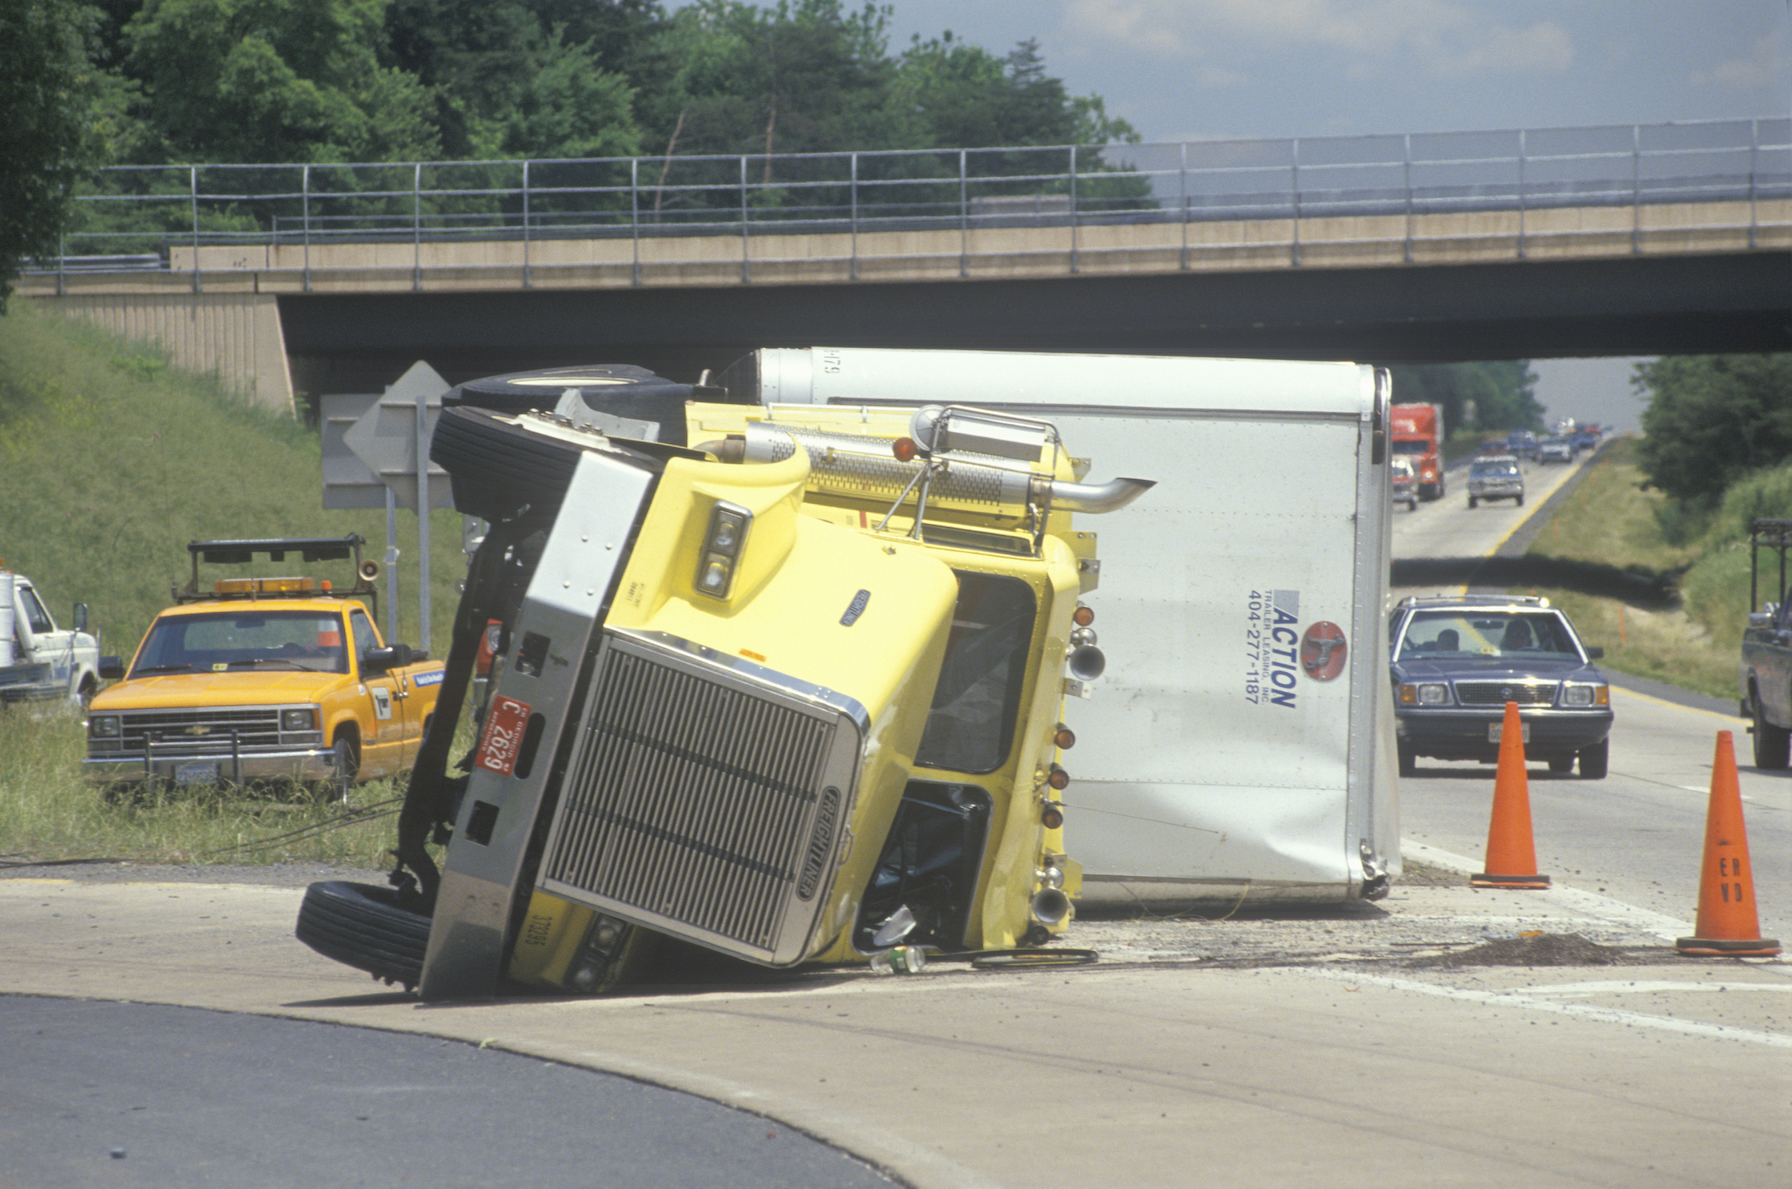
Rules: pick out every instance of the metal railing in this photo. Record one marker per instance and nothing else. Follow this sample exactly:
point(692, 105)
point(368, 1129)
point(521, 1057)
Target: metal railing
point(135, 218)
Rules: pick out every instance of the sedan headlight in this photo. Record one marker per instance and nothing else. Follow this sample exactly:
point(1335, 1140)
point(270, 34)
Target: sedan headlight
point(1429, 693)
point(1586, 695)
point(103, 726)
point(298, 720)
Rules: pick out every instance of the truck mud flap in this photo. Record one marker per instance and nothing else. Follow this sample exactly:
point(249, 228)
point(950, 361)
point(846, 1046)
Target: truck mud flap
point(364, 926)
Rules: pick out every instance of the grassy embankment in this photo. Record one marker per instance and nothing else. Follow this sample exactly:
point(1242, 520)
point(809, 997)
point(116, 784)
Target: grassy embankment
point(1690, 637)
point(110, 462)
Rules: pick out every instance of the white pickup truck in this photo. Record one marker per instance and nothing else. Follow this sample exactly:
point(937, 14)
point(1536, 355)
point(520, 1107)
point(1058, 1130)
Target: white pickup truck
point(38, 660)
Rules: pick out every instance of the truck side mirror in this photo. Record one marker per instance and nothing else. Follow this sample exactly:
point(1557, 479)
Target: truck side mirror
point(1595, 652)
point(381, 660)
point(112, 668)
point(80, 617)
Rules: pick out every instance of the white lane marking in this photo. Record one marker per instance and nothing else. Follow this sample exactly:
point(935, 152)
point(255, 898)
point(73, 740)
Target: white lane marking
point(1650, 987)
point(1528, 1001)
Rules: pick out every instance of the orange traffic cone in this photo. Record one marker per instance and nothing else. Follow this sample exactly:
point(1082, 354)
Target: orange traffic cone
point(1728, 925)
point(1511, 856)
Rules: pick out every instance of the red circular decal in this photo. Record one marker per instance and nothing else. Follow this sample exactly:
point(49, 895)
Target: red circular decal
point(1322, 651)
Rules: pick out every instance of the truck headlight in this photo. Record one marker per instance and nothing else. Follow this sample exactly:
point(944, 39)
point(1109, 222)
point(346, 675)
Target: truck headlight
point(1586, 695)
point(1430, 693)
point(298, 720)
point(721, 549)
point(103, 726)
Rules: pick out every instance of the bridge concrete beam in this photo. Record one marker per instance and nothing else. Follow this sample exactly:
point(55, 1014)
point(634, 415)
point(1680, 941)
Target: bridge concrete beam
point(1642, 305)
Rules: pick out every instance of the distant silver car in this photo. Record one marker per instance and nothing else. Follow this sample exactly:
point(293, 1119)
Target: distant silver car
point(1495, 477)
point(1556, 450)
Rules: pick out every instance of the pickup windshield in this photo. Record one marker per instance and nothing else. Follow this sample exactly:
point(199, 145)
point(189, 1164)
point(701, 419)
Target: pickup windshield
point(244, 640)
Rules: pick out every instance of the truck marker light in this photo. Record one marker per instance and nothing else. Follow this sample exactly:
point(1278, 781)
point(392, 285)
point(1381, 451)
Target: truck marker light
point(1083, 616)
point(1052, 816)
point(905, 449)
point(1058, 778)
point(1065, 739)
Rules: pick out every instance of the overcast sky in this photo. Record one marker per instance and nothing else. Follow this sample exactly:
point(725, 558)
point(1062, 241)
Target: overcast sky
point(1205, 69)
point(1217, 69)
point(1199, 69)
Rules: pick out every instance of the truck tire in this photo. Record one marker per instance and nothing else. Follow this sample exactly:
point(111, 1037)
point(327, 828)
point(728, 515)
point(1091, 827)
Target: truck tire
point(1594, 759)
point(363, 925)
point(1408, 759)
point(1773, 745)
point(342, 770)
point(1519, 502)
point(496, 467)
point(1471, 501)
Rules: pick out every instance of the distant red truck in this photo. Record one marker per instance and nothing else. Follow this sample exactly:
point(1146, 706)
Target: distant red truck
point(1416, 432)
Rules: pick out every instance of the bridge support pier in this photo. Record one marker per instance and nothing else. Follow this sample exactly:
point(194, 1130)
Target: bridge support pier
point(236, 335)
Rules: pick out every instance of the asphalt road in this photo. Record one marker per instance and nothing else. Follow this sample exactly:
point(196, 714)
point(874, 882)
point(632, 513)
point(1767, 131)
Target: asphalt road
point(1441, 1037)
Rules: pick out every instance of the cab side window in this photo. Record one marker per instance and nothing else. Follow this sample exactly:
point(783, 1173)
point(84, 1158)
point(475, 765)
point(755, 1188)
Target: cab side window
point(35, 615)
point(366, 639)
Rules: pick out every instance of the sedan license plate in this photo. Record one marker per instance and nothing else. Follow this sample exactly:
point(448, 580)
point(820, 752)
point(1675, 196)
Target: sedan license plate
point(205, 772)
point(1493, 731)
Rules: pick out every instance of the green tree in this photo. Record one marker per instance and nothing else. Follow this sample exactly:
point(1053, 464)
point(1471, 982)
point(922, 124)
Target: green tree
point(51, 138)
point(1712, 419)
point(272, 81)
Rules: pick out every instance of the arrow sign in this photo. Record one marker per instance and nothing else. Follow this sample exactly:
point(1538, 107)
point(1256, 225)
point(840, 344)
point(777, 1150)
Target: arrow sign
point(387, 440)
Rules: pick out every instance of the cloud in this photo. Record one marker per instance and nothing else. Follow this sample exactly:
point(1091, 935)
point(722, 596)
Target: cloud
point(1767, 64)
point(1439, 38)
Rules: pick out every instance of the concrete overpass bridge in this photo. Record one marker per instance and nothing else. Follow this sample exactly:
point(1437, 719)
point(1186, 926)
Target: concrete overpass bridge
point(297, 281)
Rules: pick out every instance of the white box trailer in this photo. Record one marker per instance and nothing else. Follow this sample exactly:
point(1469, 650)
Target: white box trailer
point(1240, 745)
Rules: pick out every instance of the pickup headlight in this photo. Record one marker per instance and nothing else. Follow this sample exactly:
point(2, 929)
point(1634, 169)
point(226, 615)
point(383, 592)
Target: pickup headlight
point(298, 720)
point(103, 726)
point(1429, 693)
point(1586, 695)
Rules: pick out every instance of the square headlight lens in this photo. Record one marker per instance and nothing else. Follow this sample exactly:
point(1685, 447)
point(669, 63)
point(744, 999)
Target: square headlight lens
point(1434, 693)
point(104, 726)
point(1586, 695)
point(298, 720)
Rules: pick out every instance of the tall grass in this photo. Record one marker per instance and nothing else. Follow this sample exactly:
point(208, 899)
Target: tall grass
point(110, 462)
point(48, 813)
point(1613, 519)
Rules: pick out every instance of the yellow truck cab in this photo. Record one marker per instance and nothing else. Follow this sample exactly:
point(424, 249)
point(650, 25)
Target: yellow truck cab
point(781, 683)
point(264, 680)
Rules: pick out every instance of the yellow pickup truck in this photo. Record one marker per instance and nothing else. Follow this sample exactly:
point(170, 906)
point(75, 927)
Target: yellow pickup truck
point(264, 680)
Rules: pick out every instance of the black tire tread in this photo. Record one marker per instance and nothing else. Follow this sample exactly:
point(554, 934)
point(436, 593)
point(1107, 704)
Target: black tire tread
point(363, 926)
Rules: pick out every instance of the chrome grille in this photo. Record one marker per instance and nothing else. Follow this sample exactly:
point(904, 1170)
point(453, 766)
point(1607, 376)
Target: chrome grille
point(198, 731)
point(703, 803)
point(1498, 693)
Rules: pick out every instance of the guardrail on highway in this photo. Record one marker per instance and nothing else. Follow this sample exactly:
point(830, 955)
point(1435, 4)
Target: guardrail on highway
point(160, 218)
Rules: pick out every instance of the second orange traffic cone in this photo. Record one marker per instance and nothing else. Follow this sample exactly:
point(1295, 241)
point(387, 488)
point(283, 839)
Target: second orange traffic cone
point(1511, 855)
point(1728, 925)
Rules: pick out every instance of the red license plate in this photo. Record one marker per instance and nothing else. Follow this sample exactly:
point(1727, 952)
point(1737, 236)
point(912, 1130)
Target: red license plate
point(502, 736)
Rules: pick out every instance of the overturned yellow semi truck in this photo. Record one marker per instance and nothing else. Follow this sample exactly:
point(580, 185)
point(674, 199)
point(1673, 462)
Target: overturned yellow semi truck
point(781, 683)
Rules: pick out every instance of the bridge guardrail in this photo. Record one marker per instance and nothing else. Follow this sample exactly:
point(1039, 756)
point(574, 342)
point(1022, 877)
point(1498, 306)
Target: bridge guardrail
point(146, 218)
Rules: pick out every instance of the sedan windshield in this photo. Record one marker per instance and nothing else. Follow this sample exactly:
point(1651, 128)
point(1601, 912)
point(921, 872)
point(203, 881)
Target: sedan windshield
point(1460, 635)
point(243, 640)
